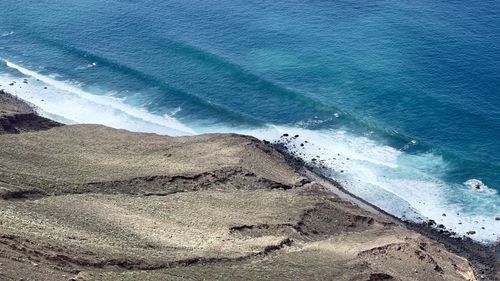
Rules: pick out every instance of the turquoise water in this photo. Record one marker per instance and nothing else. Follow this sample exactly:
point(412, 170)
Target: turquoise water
point(407, 90)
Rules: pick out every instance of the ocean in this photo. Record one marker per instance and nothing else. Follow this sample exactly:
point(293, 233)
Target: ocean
point(398, 100)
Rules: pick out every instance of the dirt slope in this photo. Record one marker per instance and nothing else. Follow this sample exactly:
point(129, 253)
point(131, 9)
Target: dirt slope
point(87, 202)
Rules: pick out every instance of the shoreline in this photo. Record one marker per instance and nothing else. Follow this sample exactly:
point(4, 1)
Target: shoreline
point(485, 258)
point(481, 257)
point(460, 214)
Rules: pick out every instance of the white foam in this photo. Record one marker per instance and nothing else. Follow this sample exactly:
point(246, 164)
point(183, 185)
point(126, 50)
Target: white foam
point(5, 34)
point(90, 65)
point(67, 100)
point(403, 184)
point(478, 186)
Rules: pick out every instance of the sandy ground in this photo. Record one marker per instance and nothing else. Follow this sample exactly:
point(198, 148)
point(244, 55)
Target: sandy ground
point(87, 202)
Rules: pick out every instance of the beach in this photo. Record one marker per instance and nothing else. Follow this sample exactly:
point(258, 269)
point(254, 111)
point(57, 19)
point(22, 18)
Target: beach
point(88, 202)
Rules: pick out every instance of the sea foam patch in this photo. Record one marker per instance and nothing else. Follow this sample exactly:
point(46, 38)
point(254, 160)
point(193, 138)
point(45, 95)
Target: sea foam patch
point(405, 185)
point(68, 103)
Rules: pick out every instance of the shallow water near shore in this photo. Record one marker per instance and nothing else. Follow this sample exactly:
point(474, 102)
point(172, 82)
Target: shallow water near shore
point(399, 101)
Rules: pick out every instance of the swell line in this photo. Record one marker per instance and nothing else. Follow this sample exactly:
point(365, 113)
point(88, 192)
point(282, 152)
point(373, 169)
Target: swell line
point(241, 74)
point(153, 81)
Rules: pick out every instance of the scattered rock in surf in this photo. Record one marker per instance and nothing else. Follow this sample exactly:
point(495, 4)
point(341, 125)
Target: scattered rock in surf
point(497, 218)
point(11, 84)
point(45, 88)
point(341, 171)
point(296, 136)
point(482, 227)
point(444, 215)
point(301, 144)
point(471, 232)
point(440, 226)
point(284, 135)
point(445, 232)
point(431, 222)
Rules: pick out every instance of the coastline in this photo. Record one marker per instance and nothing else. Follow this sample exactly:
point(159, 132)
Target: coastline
point(485, 258)
point(482, 258)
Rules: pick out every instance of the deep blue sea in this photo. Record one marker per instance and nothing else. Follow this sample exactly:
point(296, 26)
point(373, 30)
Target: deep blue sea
point(401, 99)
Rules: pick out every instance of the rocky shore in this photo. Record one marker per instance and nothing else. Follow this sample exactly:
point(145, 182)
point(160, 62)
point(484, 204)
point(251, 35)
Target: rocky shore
point(88, 202)
point(16, 116)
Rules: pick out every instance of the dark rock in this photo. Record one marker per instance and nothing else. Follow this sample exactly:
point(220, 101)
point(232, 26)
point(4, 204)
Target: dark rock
point(380, 276)
point(440, 226)
point(444, 215)
point(438, 269)
point(471, 232)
